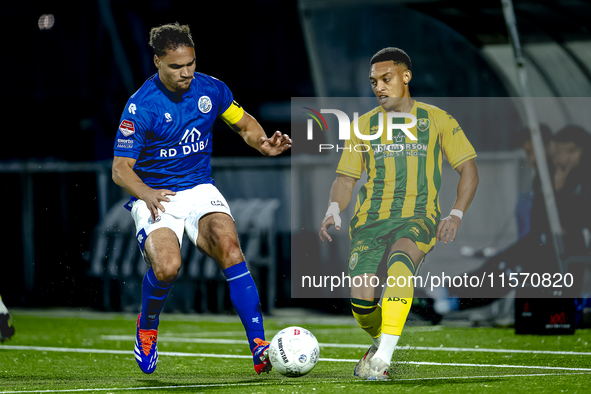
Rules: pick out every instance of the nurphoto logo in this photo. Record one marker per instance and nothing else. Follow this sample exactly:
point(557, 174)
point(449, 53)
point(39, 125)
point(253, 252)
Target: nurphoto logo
point(345, 129)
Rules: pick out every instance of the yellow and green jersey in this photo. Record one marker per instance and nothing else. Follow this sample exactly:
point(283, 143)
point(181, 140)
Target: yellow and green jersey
point(404, 176)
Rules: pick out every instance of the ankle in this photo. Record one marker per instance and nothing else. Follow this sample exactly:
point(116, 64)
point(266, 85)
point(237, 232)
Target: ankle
point(376, 342)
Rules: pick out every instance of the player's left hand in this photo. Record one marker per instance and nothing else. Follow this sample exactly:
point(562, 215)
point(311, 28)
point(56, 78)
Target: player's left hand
point(448, 228)
point(276, 145)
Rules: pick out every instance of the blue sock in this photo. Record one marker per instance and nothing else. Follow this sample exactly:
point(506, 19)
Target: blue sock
point(245, 298)
point(154, 294)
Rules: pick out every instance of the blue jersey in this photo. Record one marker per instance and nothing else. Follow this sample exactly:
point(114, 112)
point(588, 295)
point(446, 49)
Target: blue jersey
point(169, 134)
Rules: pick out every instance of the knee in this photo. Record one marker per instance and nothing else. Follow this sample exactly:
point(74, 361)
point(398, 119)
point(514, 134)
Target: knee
point(363, 288)
point(228, 247)
point(167, 270)
point(232, 252)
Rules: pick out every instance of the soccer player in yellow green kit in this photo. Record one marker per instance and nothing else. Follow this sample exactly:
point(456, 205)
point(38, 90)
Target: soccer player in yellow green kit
point(397, 212)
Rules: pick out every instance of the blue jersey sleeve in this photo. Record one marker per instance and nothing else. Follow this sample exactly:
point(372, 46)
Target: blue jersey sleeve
point(225, 96)
point(133, 126)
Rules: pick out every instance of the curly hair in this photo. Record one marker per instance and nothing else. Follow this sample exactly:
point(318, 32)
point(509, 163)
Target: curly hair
point(397, 55)
point(170, 37)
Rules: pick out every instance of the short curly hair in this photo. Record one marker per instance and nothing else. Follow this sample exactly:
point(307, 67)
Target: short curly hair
point(397, 55)
point(170, 37)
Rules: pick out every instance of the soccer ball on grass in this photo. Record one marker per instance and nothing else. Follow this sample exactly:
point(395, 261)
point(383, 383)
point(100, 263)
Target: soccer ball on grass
point(294, 351)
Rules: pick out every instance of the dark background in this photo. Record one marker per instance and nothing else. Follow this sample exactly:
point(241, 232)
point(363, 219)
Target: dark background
point(64, 90)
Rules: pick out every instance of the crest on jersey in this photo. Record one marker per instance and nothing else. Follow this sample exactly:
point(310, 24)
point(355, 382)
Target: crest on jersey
point(204, 104)
point(423, 124)
point(127, 127)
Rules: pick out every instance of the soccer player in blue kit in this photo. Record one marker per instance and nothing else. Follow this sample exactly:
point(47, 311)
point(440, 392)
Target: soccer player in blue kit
point(162, 158)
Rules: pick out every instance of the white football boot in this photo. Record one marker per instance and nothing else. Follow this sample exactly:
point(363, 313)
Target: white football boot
point(362, 367)
point(378, 369)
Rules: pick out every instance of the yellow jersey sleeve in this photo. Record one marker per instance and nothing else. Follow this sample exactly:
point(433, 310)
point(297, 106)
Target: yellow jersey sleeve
point(454, 144)
point(351, 163)
point(233, 114)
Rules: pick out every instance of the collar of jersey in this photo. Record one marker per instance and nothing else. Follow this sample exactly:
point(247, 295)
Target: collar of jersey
point(172, 96)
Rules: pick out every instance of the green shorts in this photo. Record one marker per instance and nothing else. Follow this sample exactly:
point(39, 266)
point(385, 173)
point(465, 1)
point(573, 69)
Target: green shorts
point(371, 241)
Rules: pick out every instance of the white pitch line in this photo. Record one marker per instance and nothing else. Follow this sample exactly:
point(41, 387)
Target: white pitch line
point(351, 345)
point(210, 355)
point(278, 384)
point(139, 388)
point(316, 331)
point(125, 352)
point(212, 334)
point(488, 376)
point(131, 338)
point(492, 365)
point(487, 350)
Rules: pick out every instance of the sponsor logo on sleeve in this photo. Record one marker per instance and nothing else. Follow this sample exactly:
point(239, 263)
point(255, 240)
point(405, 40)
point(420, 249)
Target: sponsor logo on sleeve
point(204, 104)
point(127, 127)
point(132, 108)
point(126, 144)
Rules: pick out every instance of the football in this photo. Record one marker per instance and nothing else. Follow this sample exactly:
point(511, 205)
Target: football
point(294, 351)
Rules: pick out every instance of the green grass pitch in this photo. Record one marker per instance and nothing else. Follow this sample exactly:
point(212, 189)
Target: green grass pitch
point(67, 351)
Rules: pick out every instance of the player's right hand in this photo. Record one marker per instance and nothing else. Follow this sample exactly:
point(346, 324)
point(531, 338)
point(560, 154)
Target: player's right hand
point(153, 197)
